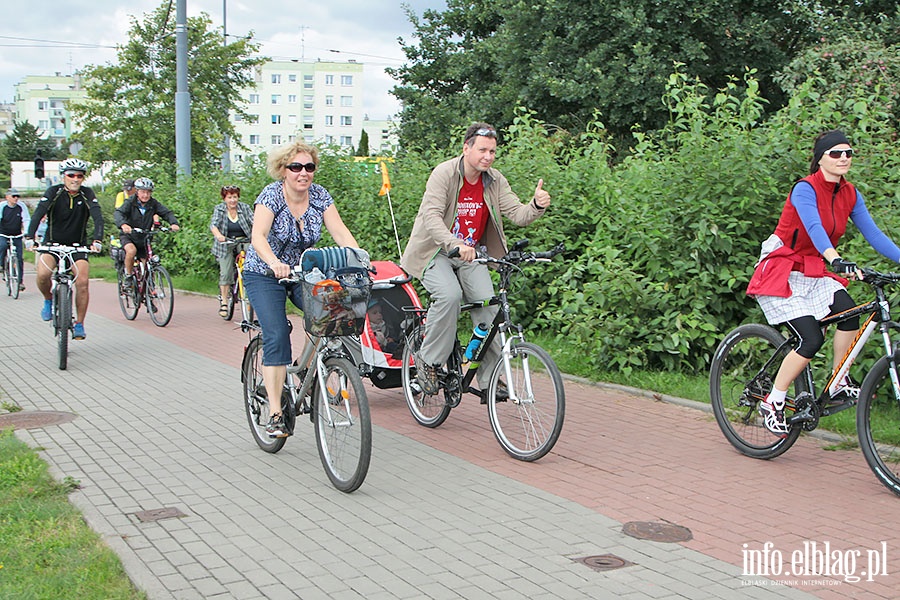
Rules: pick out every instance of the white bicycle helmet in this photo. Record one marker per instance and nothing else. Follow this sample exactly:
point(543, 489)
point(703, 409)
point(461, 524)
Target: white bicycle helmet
point(73, 164)
point(143, 183)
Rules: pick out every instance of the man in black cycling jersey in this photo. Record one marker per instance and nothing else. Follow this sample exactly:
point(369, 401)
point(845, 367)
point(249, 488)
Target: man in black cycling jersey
point(139, 211)
point(68, 206)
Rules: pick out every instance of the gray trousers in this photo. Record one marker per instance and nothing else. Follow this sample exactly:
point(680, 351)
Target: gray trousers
point(450, 282)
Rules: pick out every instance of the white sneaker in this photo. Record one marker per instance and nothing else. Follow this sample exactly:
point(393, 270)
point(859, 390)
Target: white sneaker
point(773, 417)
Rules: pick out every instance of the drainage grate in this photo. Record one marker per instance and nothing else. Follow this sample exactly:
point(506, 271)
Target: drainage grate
point(158, 514)
point(34, 419)
point(657, 532)
point(604, 562)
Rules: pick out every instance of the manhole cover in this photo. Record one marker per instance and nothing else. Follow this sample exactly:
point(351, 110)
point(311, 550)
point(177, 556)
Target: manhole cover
point(657, 532)
point(604, 562)
point(157, 514)
point(34, 419)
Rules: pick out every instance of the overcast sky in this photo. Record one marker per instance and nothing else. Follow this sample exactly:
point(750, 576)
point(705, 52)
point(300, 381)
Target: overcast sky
point(40, 40)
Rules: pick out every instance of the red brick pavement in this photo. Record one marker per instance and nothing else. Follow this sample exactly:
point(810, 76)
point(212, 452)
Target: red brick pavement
point(632, 458)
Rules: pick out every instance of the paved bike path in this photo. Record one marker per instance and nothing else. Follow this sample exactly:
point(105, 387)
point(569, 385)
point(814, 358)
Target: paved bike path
point(444, 513)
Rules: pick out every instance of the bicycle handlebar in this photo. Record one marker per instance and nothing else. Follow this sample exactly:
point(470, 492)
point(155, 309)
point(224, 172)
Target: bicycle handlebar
point(150, 231)
point(12, 237)
point(516, 255)
point(236, 241)
point(63, 249)
point(877, 278)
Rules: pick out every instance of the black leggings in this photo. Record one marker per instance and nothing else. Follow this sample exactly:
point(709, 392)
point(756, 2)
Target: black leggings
point(807, 328)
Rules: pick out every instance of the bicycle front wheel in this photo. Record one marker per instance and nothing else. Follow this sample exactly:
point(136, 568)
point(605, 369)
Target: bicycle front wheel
point(15, 278)
point(127, 297)
point(878, 424)
point(160, 296)
point(427, 409)
point(528, 423)
point(740, 377)
point(63, 316)
point(343, 424)
point(229, 305)
point(256, 403)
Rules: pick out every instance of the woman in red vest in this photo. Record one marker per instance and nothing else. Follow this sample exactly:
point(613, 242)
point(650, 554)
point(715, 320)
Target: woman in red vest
point(790, 281)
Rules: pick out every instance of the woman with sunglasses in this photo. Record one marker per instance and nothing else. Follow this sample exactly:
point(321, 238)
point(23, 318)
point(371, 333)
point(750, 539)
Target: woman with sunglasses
point(791, 282)
point(288, 218)
point(230, 219)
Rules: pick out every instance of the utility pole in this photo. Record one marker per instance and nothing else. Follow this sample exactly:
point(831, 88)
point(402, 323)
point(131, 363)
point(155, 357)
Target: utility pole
point(182, 96)
point(226, 156)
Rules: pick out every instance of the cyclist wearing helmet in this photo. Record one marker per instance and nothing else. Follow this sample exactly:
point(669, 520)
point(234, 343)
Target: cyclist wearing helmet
point(127, 192)
point(139, 211)
point(230, 219)
point(68, 206)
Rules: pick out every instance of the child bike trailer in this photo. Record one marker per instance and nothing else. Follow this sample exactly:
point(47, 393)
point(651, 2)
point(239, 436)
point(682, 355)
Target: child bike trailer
point(383, 336)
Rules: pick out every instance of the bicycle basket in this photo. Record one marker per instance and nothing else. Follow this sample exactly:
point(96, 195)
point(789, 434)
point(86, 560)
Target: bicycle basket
point(337, 305)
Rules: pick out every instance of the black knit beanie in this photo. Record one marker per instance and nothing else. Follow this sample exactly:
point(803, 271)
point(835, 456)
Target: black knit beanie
point(825, 142)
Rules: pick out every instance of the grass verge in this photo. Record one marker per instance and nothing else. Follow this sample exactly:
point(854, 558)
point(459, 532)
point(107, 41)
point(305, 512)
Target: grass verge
point(47, 551)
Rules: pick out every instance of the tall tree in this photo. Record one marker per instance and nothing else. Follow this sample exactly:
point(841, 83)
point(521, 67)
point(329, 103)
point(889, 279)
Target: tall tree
point(363, 148)
point(566, 59)
point(129, 114)
point(25, 139)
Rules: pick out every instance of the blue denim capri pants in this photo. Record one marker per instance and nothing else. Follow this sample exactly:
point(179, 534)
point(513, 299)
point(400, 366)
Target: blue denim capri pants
point(268, 298)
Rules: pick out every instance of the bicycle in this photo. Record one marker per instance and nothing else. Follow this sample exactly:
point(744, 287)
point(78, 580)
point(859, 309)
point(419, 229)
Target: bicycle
point(238, 295)
point(529, 422)
point(744, 367)
point(11, 267)
point(323, 383)
point(63, 319)
point(152, 285)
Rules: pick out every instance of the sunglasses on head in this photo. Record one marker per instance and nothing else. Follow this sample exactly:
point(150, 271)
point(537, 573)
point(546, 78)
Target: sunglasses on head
point(836, 154)
point(231, 189)
point(75, 175)
point(298, 167)
point(483, 132)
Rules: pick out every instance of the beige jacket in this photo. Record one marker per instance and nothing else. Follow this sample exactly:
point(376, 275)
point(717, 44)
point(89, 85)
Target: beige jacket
point(437, 213)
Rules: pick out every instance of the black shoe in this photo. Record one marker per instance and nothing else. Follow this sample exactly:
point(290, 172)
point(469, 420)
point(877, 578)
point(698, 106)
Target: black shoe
point(128, 284)
point(275, 427)
point(502, 393)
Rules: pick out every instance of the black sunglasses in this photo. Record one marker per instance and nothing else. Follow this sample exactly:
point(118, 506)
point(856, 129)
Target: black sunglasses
point(298, 167)
point(836, 154)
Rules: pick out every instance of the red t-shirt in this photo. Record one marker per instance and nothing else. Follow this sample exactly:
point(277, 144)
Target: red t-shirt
point(471, 213)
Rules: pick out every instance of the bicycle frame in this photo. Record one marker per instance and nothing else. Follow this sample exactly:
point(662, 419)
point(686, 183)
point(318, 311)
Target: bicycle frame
point(313, 352)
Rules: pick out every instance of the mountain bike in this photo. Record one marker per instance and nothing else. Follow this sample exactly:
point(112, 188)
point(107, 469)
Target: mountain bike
point(743, 370)
point(526, 424)
point(63, 319)
point(11, 274)
point(322, 383)
point(238, 295)
point(152, 285)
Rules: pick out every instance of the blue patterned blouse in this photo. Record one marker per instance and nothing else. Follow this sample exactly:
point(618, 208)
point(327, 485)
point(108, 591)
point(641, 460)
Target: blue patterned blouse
point(285, 238)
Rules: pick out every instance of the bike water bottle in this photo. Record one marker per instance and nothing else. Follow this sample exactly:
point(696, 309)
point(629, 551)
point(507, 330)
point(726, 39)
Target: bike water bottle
point(478, 335)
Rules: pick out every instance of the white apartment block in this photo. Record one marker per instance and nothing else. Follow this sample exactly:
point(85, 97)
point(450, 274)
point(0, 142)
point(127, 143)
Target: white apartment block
point(319, 102)
point(43, 101)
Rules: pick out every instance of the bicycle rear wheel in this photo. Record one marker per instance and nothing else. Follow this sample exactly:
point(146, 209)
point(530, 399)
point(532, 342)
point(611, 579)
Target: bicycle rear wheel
point(428, 410)
point(878, 424)
point(528, 427)
point(160, 296)
point(741, 375)
point(128, 301)
point(256, 403)
point(63, 322)
point(343, 425)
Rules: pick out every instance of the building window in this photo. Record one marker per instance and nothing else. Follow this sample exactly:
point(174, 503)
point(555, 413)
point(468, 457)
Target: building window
point(276, 78)
point(329, 120)
point(276, 140)
point(292, 77)
point(329, 139)
point(346, 120)
point(346, 80)
point(276, 119)
point(329, 100)
point(276, 98)
point(292, 119)
point(292, 98)
point(253, 119)
point(346, 140)
point(291, 139)
point(254, 98)
point(308, 106)
point(307, 86)
point(346, 100)
point(329, 80)
point(44, 124)
point(307, 78)
point(307, 126)
point(254, 139)
point(43, 105)
point(238, 117)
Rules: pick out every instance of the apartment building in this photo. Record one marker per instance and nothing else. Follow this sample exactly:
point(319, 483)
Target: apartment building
point(44, 100)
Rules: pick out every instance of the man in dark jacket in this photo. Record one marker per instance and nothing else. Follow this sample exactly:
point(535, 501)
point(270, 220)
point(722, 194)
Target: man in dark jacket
point(138, 212)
